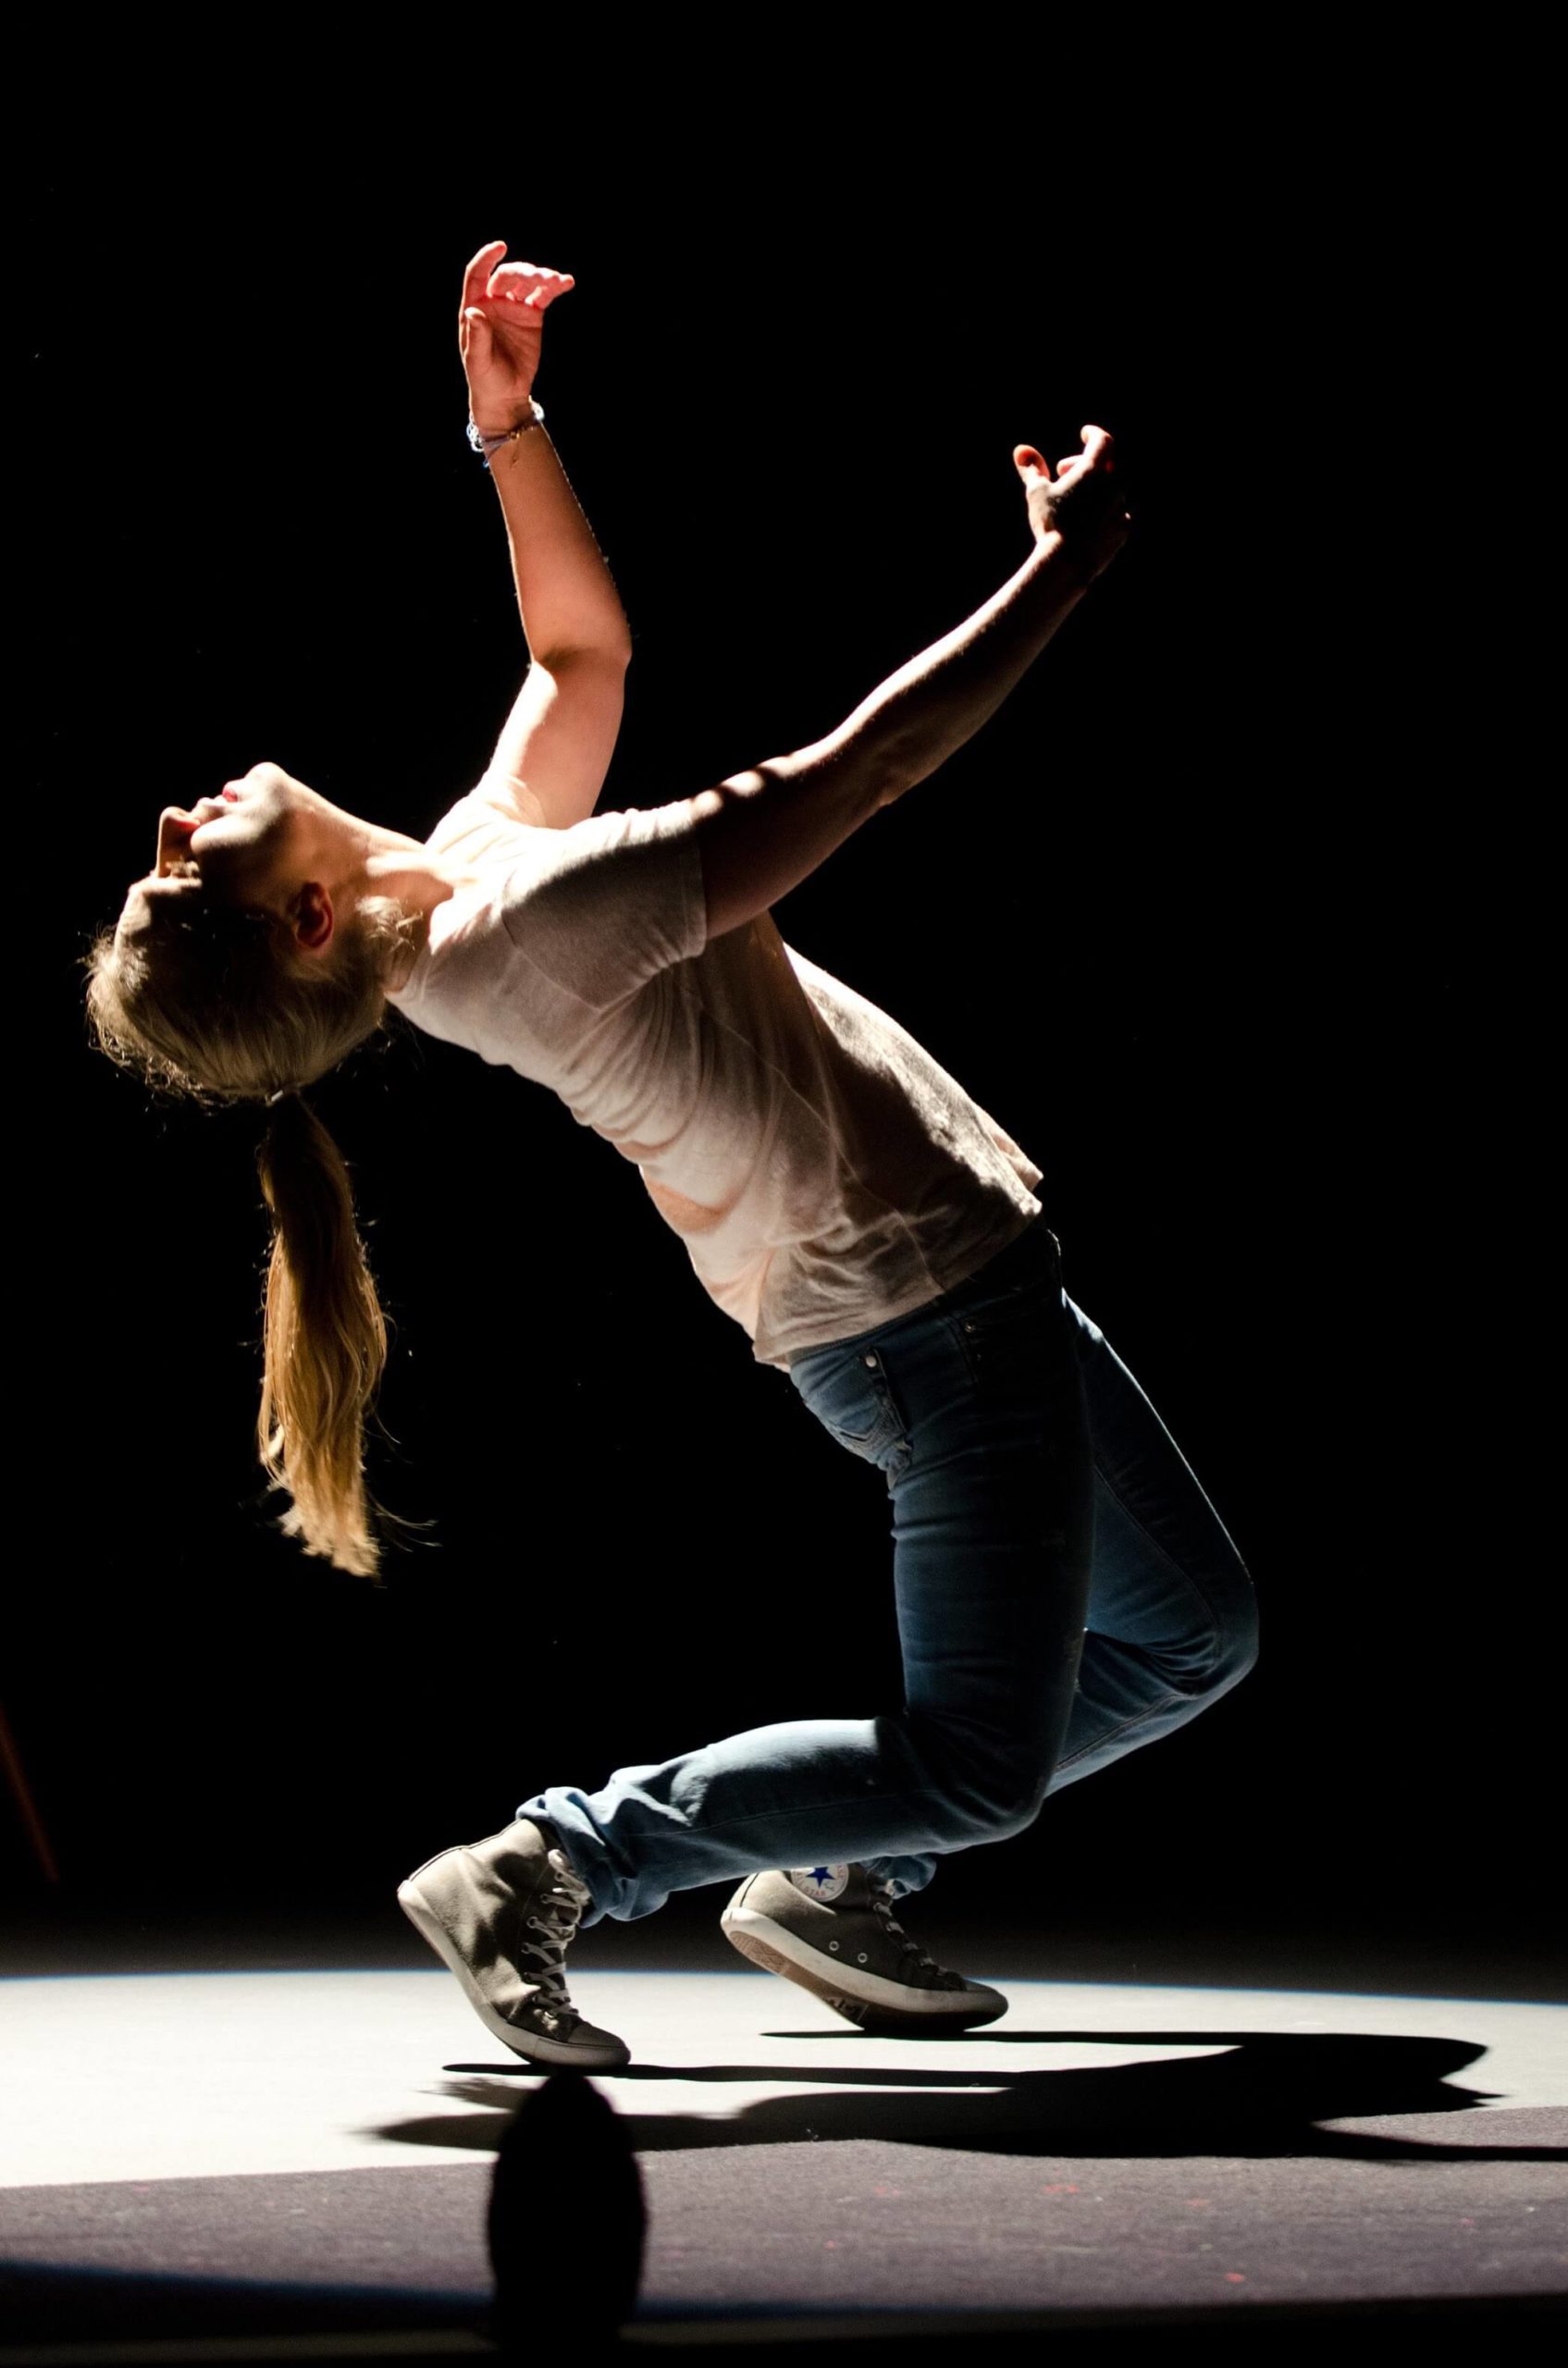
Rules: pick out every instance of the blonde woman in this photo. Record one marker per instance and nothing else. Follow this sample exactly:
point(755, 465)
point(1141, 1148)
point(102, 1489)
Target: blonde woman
point(1064, 1590)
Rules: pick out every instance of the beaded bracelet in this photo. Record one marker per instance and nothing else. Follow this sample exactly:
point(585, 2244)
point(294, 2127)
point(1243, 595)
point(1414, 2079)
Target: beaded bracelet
point(485, 445)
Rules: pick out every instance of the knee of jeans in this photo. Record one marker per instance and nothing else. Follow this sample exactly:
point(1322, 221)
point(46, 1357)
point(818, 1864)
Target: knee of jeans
point(1236, 1646)
point(1012, 1809)
point(992, 1789)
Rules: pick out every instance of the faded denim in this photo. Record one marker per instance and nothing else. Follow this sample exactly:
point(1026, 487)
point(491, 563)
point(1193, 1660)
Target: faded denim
point(1066, 1593)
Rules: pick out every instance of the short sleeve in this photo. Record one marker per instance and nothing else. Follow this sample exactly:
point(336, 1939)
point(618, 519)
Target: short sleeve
point(610, 902)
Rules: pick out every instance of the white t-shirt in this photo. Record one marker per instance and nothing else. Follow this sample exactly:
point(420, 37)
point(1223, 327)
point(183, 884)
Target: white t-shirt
point(825, 1174)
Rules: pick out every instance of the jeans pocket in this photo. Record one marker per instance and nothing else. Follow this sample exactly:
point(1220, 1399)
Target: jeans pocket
point(1012, 1339)
point(847, 1389)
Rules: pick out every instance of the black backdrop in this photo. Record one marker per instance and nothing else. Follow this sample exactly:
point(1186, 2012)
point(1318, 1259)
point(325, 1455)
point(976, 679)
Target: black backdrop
point(1186, 917)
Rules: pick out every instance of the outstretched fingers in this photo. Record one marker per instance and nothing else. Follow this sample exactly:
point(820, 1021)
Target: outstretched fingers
point(532, 284)
point(476, 278)
point(1099, 452)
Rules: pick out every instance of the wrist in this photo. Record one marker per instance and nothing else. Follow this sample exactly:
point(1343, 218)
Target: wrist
point(1068, 564)
point(498, 422)
point(504, 421)
point(489, 441)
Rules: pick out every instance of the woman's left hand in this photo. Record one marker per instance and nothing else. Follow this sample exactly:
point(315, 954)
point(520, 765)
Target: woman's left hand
point(499, 332)
point(1083, 502)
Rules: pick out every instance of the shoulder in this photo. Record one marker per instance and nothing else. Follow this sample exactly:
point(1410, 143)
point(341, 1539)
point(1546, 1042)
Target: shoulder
point(505, 818)
point(484, 821)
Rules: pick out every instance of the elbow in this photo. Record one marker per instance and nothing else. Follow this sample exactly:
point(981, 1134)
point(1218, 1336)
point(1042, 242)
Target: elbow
point(867, 771)
point(881, 776)
point(890, 777)
point(608, 653)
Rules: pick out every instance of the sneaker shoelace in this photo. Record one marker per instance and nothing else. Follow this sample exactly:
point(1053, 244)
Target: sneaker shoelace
point(881, 1893)
point(555, 1917)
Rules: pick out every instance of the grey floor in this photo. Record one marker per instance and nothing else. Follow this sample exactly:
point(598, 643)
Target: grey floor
point(260, 2148)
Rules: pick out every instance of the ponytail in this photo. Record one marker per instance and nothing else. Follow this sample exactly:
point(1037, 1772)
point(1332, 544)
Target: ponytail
point(326, 1340)
point(209, 1001)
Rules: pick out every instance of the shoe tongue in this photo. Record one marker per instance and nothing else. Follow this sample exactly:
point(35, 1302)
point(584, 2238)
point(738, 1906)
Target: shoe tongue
point(824, 1884)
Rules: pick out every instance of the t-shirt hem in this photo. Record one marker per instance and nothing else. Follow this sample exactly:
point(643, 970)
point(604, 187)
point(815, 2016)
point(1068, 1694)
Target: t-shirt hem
point(781, 1351)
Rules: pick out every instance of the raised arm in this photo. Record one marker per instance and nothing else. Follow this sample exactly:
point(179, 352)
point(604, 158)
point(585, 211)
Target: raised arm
point(557, 742)
point(763, 831)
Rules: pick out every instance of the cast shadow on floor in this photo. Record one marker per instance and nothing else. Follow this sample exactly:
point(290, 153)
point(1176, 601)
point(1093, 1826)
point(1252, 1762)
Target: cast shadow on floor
point(1265, 2097)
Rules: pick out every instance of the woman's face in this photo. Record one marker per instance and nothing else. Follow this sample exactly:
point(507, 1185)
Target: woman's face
point(239, 845)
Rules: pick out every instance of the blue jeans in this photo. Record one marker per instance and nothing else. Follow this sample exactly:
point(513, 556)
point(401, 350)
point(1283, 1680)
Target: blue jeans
point(1065, 1592)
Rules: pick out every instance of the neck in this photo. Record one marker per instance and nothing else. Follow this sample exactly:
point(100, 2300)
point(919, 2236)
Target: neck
point(375, 861)
point(410, 874)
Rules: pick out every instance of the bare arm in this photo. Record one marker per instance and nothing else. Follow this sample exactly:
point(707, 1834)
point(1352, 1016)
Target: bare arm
point(556, 745)
point(763, 832)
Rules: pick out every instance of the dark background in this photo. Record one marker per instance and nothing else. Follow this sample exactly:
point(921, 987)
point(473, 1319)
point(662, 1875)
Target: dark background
point(1211, 917)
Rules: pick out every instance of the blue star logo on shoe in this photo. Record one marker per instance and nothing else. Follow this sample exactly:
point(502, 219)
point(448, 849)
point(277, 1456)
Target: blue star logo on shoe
point(821, 1883)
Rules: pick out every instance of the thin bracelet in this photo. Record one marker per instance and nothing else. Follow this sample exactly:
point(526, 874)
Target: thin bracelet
point(485, 445)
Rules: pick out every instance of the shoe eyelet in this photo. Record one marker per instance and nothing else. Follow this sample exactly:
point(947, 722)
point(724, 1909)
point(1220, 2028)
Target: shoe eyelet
point(861, 1958)
point(834, 1947)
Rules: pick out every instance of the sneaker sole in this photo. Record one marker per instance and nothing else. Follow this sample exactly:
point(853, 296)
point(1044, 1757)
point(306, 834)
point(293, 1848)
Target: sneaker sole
point(536, 2050)
point(879, 2014)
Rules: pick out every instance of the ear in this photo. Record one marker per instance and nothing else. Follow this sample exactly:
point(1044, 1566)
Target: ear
point(312, 919)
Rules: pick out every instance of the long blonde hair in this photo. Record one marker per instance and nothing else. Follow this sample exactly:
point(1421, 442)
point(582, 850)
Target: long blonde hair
point(216, 1003)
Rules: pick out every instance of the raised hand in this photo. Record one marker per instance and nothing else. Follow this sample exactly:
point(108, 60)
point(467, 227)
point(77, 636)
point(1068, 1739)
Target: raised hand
point(499, 332)
point(1083, 502)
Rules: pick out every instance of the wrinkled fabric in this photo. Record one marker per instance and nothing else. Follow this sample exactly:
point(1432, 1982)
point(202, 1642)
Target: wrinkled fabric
point(1066, 1594)
point(826, 1174)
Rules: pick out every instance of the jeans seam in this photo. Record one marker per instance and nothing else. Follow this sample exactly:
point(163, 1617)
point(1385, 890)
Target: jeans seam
point(820, 1808)
point(1216, 1648)
point(1150, 1710)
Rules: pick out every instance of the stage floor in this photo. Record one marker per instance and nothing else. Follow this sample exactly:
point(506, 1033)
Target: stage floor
point(242, 2150)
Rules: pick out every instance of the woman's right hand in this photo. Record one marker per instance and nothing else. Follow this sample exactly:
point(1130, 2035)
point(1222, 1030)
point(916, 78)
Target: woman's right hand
point(499, 332)
point(1083, 502)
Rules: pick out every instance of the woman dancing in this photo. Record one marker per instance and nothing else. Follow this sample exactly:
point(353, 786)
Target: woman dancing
point(1065, 1592)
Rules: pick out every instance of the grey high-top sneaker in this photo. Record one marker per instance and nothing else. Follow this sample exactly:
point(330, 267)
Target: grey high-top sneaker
point(833, 1929)
point(501, 1913)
